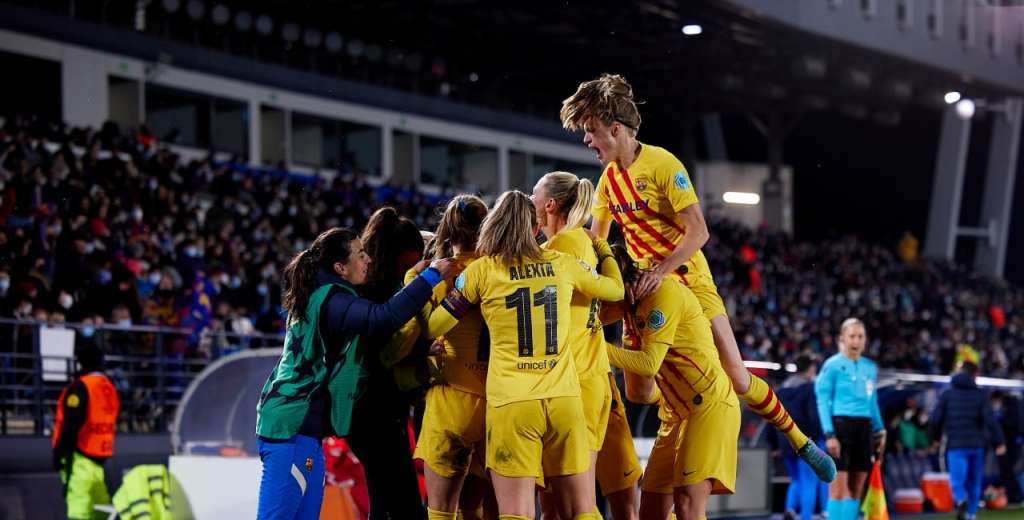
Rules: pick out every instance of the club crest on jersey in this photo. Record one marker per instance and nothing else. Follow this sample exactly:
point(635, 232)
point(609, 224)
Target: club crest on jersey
point(641, 183)
point(656, 319)
point(680, 180)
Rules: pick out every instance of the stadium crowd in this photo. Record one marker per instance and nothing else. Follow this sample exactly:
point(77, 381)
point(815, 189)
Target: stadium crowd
point(101, 227)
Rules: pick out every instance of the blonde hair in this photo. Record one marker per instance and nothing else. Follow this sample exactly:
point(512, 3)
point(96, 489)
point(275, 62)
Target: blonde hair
point(507, 231)
point(460, 225)
point(850, 322)
point(574, 196)
point(609, 98)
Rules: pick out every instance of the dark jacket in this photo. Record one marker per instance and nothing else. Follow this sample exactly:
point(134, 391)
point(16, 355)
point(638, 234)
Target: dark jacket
point(964, 415)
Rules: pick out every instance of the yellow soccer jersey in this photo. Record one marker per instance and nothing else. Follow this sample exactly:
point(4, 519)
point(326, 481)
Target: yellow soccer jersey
point(527, 308)
point(645, 200)
point(466, 345)
point(676, 347)
point(586, 332)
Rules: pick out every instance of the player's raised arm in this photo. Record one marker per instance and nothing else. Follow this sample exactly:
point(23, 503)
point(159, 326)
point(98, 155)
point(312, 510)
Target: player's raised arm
point(606, 285)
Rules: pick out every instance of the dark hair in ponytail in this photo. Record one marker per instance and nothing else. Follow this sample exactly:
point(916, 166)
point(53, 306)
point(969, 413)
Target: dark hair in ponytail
point(628, 268)
point(460, 225)
point(333, 245)
point(386, 237)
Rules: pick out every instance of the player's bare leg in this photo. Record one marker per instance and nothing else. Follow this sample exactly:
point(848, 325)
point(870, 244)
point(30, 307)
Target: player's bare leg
point(574, 494)
point(656, 506)
point(442, 492)
point(762, 400)
point(623, 504)
point(691, 501)
point(515, 495)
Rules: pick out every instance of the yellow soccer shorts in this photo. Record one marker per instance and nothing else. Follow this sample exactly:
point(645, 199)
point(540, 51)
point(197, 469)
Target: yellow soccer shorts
point(597, 404)
point(453, 431)
point(539, 437)
point(85, 488)
point(701, 447)
point(618, 467)
point(707, 294)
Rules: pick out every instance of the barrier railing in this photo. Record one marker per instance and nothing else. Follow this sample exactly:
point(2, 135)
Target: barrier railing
point(150, 366)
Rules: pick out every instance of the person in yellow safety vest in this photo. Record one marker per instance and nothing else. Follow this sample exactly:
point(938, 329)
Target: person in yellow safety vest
point(83, 434)
point(144, 494)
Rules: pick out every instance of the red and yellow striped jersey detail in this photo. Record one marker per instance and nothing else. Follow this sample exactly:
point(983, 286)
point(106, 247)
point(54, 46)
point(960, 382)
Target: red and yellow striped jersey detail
point(691, 371)
point(645, 200)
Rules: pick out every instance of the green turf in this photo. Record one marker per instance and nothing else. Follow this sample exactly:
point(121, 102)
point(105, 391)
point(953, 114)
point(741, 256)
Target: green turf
point(984, 514)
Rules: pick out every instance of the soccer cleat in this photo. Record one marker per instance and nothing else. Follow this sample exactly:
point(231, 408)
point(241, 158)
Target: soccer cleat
point(961, 511)
point(819, 461)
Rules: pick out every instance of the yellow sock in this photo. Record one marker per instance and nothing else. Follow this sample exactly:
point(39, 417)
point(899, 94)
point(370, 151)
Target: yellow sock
point(593, 515)
point(440, 515)
point(761, 399)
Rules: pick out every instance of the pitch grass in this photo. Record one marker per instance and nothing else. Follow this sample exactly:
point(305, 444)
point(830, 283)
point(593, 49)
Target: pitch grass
point(1016, 513)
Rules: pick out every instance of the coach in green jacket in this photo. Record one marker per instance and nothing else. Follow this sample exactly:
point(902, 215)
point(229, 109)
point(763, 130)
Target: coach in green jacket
point(309, 394)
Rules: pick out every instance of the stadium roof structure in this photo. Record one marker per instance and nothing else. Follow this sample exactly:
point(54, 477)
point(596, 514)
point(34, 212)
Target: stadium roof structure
point(749, 56)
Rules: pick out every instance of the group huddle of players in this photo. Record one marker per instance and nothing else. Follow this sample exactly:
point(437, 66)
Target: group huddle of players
point(528, 400)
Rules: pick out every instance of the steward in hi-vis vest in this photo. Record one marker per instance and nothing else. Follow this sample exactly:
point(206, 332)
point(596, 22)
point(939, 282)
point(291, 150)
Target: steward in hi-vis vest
point(83, 434)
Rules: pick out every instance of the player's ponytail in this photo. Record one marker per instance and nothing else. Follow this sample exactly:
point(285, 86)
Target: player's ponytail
point(573, 195)
point(628, 268)
point(332, 246)
point(459, 226)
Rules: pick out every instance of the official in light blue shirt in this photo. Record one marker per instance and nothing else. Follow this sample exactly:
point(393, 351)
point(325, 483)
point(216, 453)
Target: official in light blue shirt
point(846, 391)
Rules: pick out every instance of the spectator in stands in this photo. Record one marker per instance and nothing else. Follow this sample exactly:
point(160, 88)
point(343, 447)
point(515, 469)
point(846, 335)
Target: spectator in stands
point(797, 395)
point(963, 415)
point(1008, 412)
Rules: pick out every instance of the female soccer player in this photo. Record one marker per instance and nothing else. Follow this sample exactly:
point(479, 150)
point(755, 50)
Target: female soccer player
point(452, 434)
point(694, 454)
point(534, 410)
point(563, 203)
point(848, 408)
point(309, 394)
point(648, 192)
point(380, 434)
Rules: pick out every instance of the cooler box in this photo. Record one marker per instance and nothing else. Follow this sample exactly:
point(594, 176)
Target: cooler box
point(908, 500)
point(938, 491)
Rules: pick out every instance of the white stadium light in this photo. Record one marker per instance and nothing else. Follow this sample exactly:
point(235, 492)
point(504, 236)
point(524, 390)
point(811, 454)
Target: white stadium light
point(965, 108)
point(692, 30)
point(741, 197)
point(951, 97)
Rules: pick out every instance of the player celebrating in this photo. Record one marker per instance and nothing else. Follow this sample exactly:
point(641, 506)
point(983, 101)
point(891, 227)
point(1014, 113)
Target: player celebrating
point(563, 203)
point(647, 191)
point(694, 454)
point(533, 394)
point(453, 423)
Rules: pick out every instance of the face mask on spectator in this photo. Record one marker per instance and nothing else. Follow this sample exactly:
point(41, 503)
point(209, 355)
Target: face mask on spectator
point(65, 300)
point(137, 214)
point(262, 289)
point(104, 277)
point(5, 284)
point(191, 251)
point(88, 331)
point(235, 282)
point(89, 248)
point(154, 277)
point(127, 322)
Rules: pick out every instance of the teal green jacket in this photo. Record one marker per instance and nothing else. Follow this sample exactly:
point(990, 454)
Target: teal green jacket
point(315, 383)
